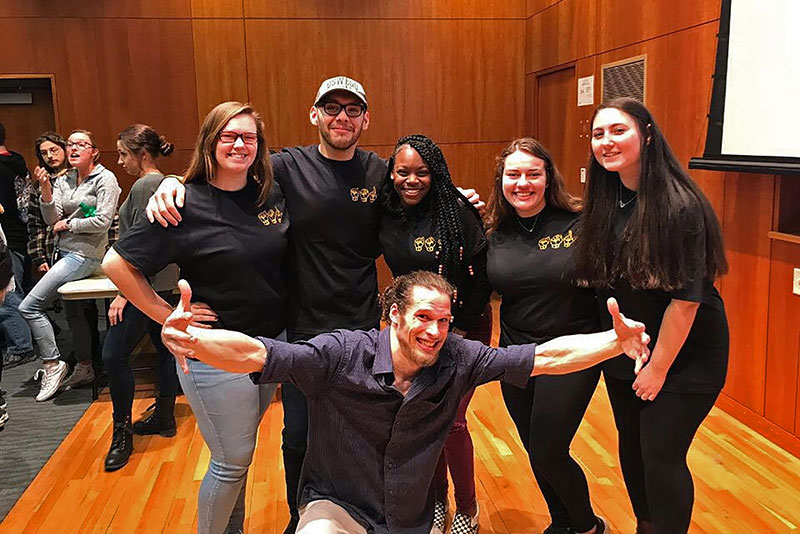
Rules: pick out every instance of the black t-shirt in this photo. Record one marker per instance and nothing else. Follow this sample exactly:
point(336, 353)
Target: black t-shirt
point(409, 244)
point(334, 238)
point(533, 272)
point(229, 250)
point(702, 362)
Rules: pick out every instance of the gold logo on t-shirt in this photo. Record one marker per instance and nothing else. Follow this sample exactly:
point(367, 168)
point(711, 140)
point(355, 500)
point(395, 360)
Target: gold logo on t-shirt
point(555, 241)
point(363, 194)
point(426, 243)
point(271, 216)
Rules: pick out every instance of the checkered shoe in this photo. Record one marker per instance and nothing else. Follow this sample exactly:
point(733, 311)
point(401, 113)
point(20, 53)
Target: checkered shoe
point(439, 517)
point(464, 524)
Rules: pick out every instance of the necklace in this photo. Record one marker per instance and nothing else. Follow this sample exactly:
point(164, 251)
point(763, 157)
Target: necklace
point(619, 198)
point(535, 220)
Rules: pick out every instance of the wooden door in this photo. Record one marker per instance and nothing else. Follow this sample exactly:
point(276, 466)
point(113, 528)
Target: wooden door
point(25, 122)
point(557, 125)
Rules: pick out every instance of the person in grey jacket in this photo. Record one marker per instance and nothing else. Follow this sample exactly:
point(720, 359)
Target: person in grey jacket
point(80, 205)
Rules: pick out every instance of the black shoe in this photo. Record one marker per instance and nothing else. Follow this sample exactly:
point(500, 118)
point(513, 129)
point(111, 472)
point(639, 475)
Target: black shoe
point(292, 526)
point(552, 529)
point(121, 446)
point(160, 421)
point(15, 360)
point(644, 527)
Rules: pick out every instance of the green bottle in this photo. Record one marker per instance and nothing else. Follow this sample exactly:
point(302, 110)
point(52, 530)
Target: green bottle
point(86, 210)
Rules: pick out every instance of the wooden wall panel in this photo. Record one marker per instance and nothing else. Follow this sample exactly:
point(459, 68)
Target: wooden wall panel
point(385, 9)
point(146, 75)
point(457, 81)
point(560, 34)
point(783, 338)
point(96, 8)
point(220, 63)
point(532, 7)
point(747, 219)
point(621, 23)
point(217, 8)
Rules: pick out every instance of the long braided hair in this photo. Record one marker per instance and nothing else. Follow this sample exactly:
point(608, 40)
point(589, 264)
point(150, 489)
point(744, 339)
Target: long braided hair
point(443, 200)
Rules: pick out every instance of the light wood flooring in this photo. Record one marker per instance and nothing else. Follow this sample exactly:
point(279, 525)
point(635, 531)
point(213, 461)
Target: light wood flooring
point(744, 483)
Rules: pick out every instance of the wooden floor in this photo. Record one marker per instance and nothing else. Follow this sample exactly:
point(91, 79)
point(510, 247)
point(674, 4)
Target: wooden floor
point(744, 484)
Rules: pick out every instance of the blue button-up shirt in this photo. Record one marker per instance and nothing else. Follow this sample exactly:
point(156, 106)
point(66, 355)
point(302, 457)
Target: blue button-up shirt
point(372, 450)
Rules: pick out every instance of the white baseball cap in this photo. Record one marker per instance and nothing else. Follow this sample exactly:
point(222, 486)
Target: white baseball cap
point(341, 83)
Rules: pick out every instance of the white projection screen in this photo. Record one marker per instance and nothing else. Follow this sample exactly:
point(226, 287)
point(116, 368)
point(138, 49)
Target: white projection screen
point(754, 120)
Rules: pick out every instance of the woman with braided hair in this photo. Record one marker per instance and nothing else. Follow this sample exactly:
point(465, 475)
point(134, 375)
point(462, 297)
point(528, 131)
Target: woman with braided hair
point(427, 224)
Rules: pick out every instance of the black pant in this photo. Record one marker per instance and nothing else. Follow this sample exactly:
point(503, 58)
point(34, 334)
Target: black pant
point(654, 439)
point(120, 340)
point(295, 436)
point(547, 414)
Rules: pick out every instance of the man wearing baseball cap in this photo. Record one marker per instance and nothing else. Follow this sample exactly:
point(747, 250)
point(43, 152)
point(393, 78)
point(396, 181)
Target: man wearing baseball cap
point(332, 194)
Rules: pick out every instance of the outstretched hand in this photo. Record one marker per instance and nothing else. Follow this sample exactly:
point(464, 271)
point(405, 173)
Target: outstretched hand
point(631, 335)
point(163, 205)
point(174, 332)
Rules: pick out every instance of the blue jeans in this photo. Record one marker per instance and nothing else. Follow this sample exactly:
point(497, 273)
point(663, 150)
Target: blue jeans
point(228, 408)
point(69, 267)
point(14, 327)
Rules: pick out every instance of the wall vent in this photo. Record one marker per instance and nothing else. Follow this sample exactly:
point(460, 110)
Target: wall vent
point(624, 78)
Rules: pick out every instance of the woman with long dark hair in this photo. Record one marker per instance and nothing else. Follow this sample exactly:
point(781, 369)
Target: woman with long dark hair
point(651, 239)
point(428, 225)
point(230, 246)
point(139, 147)
point(80, 205)
point(532, 230)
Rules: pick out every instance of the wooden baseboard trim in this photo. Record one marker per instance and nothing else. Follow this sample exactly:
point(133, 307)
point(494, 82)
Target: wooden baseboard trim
point(766, 428)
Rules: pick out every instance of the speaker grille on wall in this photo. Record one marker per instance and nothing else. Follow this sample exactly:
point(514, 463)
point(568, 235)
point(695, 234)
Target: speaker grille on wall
point(624, 78)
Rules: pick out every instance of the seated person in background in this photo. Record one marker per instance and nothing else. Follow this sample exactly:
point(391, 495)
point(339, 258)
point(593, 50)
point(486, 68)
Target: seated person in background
point(382, 403)
point(81, 205)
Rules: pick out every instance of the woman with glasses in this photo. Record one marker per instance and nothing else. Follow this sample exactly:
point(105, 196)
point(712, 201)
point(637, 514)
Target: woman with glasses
point(230, 247)
point(428, 225)
point(80, 205)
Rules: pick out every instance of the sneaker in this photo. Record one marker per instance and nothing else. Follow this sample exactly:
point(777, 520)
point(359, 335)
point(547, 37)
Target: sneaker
point(601, 525)
point(3, 418)
point(3, 403)
point(464, 524)
point(51, 380)
point(552, 529)
point(439, 517)
point(15, 360)
point(81, 374)
point(38, 374)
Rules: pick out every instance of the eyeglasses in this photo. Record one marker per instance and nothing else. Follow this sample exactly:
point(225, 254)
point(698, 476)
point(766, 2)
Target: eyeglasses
point(334, 108)
point(53, 151)
point(248, 138)
point(80, 145)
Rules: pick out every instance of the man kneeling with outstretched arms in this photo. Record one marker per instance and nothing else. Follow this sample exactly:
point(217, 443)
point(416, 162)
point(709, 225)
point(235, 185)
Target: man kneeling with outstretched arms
point(381, 402)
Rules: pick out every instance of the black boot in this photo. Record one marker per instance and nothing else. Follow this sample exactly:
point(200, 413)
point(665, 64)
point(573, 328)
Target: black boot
point(160, 421)
point(121, 446)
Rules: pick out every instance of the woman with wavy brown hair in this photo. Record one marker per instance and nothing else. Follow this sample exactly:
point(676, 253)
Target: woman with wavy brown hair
point(230, 247)
point(532, 230)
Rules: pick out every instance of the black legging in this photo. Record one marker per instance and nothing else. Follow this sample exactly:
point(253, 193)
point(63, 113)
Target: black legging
point(547, 414)
point(654, 439)
point(120, 341)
